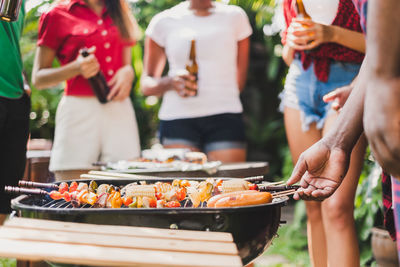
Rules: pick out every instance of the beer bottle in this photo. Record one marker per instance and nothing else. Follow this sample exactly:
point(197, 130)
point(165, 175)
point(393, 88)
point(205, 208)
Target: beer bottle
point(191, 65)
point(98, 82)
point(9, 9)
point(301, 11)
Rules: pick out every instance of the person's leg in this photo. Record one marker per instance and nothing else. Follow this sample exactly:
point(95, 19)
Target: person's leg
point(298, 142)
point(14, 130)
point(338, 211)
point(228, 155)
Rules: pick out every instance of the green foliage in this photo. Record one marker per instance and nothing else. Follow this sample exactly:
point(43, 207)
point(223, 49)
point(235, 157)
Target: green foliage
point(368, 208)
point(4, 262)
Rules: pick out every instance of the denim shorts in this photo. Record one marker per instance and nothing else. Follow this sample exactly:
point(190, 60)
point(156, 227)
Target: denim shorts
point(210, 133)
point(304, 92)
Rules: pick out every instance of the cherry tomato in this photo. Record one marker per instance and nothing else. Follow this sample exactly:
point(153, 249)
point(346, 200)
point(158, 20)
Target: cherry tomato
point(253, 187)
point(67, 196)
point(152, 203)
point(181, 194)
point(127, 201)
point(73, 187)
point(159, 195)
point(173, 204)
point(63, 187)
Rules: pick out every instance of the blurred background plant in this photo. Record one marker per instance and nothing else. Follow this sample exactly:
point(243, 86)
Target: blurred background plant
point(264, 124)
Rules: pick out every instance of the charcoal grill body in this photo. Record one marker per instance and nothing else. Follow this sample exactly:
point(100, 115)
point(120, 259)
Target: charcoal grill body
point(252, 227)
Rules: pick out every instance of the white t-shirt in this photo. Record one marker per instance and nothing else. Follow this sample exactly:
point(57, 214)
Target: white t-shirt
point(322, 11)
point(216, 38)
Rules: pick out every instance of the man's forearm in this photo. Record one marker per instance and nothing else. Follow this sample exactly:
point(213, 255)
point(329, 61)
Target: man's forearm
point(383, 38)
point(348, 126)
point(382, 101)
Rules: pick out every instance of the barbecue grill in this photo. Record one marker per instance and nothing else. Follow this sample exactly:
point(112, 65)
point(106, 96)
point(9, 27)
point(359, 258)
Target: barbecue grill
point(252, 227)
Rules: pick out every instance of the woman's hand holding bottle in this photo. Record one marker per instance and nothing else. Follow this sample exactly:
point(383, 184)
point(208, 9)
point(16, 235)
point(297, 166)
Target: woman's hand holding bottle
point(121, 83)
point(184, 84)
point(88, 66)
point(305, 34)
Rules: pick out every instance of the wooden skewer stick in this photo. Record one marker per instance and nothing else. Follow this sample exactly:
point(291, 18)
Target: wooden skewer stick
point(284, 193)
point(275, 183)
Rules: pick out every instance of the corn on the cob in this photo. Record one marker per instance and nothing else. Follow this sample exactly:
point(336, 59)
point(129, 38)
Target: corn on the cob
point(141, 191)
point(234, 185)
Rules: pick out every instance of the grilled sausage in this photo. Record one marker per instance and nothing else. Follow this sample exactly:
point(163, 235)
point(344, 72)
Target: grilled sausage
point(244, 200)
point(211, 202)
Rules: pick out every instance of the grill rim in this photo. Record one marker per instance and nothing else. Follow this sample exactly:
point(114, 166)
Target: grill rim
point(17, 205)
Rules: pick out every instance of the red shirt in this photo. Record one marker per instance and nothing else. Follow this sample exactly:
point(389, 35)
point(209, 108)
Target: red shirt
point(72, 25)
point(346, 17)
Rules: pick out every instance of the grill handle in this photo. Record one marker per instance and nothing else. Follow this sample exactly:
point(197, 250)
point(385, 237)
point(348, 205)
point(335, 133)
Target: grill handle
point(19, 191)
point(29, 184)
point(268, 188)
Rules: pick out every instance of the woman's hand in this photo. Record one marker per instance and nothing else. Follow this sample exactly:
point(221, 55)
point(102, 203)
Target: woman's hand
point(184, 84)
point(305, 34)
point(88, 66)
point(121, 83)
point(338, 97)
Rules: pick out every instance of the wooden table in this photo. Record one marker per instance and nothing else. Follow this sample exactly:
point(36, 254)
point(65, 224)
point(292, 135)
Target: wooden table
point(105, 245)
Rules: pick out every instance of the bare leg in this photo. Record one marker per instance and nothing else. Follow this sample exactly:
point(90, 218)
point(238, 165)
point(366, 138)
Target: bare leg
point(228, 155)
point(298, 142)
point(69, 174)
point(338, 212)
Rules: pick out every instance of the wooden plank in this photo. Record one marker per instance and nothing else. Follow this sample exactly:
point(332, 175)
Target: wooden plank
point(102, 240)
point(118, 230)
point(108, 256)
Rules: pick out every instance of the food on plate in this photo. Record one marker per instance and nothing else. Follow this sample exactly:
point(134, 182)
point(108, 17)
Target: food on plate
point(195, 157)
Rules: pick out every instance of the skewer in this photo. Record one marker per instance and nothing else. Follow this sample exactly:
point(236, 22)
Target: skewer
point(284, 193)
point(268, 188)
point(18, 190)
point(29, 184)
point(275, 183)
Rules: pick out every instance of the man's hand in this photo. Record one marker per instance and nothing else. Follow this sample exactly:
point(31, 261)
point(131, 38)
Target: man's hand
point(320, 170)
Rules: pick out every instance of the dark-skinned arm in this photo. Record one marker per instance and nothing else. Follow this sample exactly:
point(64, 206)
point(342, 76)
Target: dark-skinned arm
point(382, 102)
